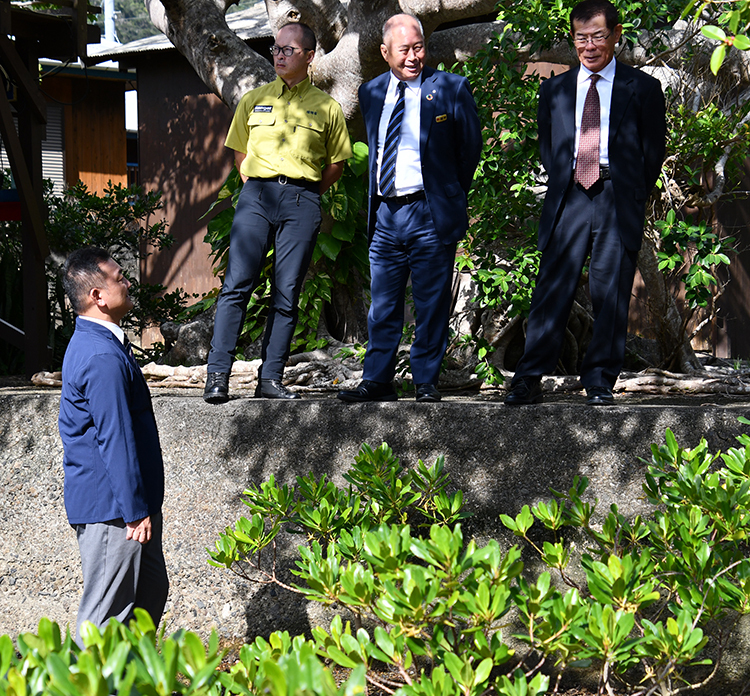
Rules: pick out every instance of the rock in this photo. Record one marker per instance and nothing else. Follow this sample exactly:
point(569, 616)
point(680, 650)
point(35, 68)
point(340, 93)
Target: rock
point(188, 344)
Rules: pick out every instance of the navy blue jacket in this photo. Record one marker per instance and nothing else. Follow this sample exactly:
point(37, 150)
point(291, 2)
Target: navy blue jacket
point(450, 143)
point(113, 464)
point(637, 131)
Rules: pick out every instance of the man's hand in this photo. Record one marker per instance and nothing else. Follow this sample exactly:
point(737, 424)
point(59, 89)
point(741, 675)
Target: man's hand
point(239, 158)
point(140, 530)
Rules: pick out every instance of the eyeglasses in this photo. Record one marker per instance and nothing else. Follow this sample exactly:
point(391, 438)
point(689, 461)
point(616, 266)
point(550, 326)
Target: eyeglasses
point(286, 50)
point(596, 39)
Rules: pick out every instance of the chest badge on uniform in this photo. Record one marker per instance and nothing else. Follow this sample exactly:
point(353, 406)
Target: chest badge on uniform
point(428, 97)
point(441, 118)
point(262, 109)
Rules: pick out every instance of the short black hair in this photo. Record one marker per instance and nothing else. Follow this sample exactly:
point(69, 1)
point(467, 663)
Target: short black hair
point(308, 35)
point(588, 9)
point(82, 272)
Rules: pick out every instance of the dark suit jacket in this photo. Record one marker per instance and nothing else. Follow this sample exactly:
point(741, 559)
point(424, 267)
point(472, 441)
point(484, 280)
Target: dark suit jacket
point(113, 463)
point(636, 146)
point(450, 146)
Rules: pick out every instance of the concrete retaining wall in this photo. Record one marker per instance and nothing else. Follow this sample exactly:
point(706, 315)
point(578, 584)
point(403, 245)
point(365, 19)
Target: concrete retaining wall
point(501, 458)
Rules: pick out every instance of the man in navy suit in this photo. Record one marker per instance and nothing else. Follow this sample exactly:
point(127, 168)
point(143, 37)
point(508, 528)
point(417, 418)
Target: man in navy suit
point(425, 141)
point(114, 475)
point(602, 134)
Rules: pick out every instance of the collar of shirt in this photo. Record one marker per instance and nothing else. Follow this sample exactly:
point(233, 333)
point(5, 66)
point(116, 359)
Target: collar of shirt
point(114, 328)
point(408, 160)
point(604, 87)
point(608, 73)
point(299, 89)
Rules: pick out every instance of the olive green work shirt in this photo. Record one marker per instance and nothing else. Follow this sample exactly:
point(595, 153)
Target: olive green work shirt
point(288, 132)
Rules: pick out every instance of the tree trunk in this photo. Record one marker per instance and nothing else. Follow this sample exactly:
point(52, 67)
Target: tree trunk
point(677, 353)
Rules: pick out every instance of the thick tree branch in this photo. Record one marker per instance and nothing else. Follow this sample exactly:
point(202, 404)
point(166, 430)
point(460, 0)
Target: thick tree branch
point(458, 44)
point(327, 18)
point(222, 60)
point(433, 13)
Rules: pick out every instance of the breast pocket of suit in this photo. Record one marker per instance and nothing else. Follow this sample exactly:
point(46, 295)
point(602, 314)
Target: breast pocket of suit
point(264, 136)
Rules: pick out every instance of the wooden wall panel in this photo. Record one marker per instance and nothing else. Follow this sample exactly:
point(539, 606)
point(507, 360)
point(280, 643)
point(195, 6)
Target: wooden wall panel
point(95, 139)
point(182, 127)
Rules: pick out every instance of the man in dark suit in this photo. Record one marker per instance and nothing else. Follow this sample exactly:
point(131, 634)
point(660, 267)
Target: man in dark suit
point(602, 138)
point(114, 475)
point(425, 141)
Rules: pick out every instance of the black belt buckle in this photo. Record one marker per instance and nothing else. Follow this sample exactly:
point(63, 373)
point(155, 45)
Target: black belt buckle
point(283, 180)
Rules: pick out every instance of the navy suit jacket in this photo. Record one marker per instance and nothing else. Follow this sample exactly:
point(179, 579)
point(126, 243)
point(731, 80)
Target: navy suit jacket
point(637, 132)
point(113, 464)
point(450, 145)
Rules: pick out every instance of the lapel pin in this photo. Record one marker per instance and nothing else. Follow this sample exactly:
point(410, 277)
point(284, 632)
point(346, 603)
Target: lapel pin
point(429, 97)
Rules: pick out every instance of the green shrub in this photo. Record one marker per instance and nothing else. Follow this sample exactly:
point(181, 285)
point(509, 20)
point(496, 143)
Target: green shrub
point(653, 596)
point(120, 219)
point(657, 594)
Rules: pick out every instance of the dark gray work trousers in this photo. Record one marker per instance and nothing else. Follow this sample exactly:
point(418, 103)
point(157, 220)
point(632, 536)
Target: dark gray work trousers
point(286, 216)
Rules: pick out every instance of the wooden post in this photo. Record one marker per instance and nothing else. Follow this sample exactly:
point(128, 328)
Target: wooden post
point(31, 132)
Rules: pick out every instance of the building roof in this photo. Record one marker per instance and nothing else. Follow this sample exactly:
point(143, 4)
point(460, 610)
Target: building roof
point(247, 24)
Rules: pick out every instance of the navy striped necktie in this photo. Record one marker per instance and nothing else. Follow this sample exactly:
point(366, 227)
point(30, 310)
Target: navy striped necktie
point(392, 136)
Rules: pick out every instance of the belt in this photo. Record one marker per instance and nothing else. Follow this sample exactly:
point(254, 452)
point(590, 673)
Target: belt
point(286, 181)
point(604, 173)
point(406, 199)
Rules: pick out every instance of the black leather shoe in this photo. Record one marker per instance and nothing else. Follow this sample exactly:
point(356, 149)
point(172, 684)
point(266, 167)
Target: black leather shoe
point(599, 396)
point(524, 393)
point(217, 388)
point(273, 389)
point(427, 393)
point(369, 391)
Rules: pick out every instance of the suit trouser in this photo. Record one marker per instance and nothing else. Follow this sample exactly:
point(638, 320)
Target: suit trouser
point(587, 225)
point(287, 216)
point(120, 574)
point(405, 241)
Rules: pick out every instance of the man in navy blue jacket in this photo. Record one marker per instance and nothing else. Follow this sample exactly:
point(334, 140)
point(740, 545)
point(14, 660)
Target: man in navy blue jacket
point(425, 140)
point(114, 474)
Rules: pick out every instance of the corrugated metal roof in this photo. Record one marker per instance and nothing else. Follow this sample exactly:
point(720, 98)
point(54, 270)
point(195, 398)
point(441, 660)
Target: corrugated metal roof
point(247, 24)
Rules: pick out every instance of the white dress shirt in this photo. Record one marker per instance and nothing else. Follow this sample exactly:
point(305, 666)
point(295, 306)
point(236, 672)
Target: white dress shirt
point(114, 328)
point(408, 162)
point(604, 87)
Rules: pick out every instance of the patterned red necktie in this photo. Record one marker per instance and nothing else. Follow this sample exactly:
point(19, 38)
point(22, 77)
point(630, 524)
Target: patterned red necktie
point(587, 163)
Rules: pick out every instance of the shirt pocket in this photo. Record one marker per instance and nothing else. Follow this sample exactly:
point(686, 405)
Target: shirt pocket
point(262, 138)
point(310, 139)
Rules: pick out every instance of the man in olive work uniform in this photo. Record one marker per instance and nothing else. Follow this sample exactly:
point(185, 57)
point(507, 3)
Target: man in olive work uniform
point(290, 142)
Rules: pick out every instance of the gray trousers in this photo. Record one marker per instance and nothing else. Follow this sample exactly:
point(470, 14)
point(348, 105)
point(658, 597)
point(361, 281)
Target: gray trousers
point(120, 575)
